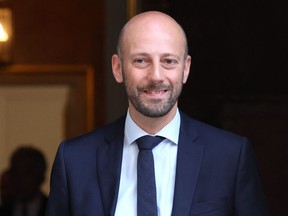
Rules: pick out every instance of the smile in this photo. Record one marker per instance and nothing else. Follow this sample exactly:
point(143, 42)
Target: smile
point(156, 92)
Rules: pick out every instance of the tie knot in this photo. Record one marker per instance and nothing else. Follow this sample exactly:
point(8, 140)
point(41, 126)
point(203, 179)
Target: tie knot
point(148, 142)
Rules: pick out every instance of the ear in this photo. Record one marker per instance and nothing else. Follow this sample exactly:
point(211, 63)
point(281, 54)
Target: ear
point(186, 68)
point(117, 68)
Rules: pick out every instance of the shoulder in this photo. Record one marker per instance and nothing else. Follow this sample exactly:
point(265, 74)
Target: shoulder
point(220, 146)
point(210, 135)
point(95, 138)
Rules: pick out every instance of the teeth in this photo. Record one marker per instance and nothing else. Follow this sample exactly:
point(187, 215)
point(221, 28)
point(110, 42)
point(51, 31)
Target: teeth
point(155, 92)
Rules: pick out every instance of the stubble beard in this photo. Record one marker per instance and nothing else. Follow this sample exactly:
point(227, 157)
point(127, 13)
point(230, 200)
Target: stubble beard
point(153, 108)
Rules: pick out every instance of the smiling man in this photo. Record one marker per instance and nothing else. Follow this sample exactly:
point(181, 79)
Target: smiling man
point(195, 169)
point(153, 63)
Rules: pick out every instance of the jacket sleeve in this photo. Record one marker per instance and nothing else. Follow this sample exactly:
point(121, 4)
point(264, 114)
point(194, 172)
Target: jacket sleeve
point(249, 195)
point(58, 202)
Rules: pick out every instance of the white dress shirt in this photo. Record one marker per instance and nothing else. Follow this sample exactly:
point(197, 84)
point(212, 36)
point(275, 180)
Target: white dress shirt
point(165, 155)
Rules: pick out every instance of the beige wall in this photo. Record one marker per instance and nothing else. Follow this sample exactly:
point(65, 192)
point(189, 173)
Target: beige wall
point(66, 32)
point(32, 115)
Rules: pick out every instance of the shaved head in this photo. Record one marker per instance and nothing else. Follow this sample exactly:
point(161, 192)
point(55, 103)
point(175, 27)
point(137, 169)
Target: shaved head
point(151, 21)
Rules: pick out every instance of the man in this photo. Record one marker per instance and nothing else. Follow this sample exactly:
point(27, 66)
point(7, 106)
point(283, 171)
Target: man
point(199, 170)
point(26, 175)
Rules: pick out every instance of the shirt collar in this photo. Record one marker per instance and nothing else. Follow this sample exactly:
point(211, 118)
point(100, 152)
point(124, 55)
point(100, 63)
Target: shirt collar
point(170, 131)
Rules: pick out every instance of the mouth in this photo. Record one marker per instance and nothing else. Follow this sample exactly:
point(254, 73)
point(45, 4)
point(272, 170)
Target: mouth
point(155, 92)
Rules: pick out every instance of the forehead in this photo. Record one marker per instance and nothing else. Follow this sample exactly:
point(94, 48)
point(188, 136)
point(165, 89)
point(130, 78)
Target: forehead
point(153, 34)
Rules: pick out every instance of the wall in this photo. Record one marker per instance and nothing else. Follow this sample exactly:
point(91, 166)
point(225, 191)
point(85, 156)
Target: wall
point(116, 103)
point(32, 116)
point(66, 32)
point(58, 32)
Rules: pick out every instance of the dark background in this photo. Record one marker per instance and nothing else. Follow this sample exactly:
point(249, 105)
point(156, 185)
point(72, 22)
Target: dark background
point(239, 77)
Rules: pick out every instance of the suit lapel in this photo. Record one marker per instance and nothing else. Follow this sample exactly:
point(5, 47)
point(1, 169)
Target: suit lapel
point(189, 158)
point(109, 157)
point(109, 160)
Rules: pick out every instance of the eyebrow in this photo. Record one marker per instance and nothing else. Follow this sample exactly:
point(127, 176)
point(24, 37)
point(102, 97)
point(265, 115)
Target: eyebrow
point(173, 55)
point(162, 55)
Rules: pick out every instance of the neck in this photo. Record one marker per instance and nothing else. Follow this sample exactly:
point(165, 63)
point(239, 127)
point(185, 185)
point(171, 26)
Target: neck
point(149, 124)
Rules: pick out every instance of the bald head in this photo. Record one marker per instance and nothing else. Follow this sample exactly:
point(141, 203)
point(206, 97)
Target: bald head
point(147, 23)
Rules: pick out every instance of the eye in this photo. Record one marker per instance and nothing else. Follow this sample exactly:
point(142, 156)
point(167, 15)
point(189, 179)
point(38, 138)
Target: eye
point(140, 62)
point(169, 63)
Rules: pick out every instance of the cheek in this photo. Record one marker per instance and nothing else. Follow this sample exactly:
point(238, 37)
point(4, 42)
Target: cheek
point(133, 77)
point(129, 82)
point(176, 78)
point(183, 76)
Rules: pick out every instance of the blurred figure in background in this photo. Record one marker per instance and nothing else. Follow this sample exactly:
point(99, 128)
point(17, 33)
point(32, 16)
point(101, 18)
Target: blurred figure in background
point(26, 175)
point(6, 187)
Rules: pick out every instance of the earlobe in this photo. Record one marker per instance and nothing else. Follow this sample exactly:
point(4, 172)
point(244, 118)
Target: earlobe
point(186, 69)
point(117, 68)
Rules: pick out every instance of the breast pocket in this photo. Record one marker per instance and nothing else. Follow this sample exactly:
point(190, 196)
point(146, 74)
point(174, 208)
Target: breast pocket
point(215, 207)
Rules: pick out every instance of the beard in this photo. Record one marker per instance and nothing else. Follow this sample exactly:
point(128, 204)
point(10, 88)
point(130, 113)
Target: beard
point(156, 107)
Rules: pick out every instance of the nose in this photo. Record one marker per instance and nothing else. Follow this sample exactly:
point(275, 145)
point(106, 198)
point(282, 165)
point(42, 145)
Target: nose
point(156, 73)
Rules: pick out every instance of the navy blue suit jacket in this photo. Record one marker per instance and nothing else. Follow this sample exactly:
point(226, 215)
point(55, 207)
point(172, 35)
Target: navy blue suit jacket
point(216, 173)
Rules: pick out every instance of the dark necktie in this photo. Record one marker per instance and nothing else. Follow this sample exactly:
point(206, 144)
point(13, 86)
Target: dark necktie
point(146, 186)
